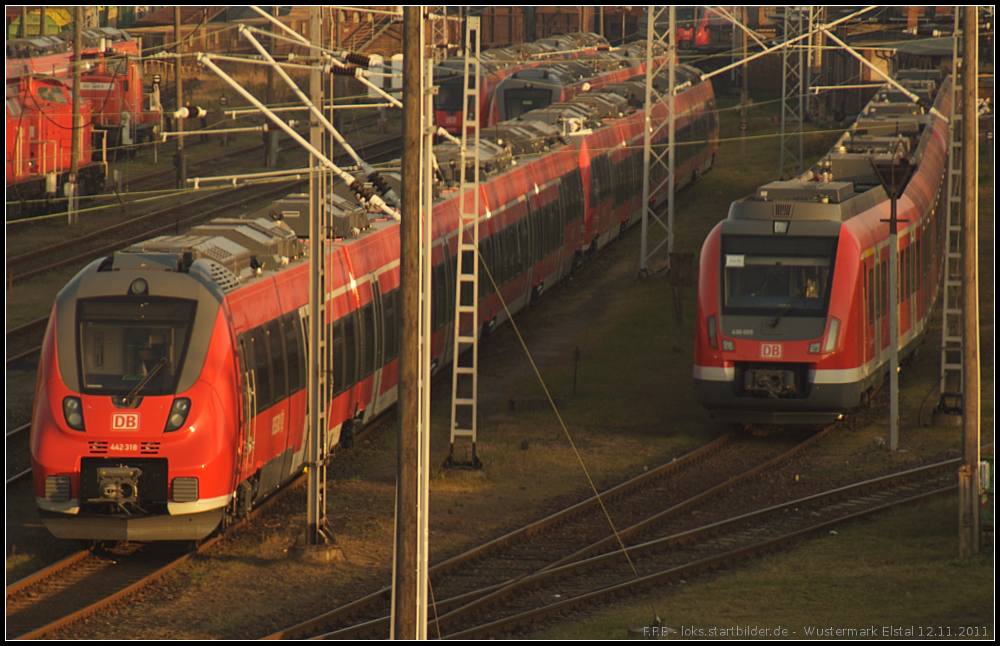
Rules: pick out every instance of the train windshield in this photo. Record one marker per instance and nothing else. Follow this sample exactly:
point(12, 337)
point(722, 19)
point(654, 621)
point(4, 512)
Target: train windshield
point(125, 341)
point(449, 96)
point(777, 276)
point(522, 100)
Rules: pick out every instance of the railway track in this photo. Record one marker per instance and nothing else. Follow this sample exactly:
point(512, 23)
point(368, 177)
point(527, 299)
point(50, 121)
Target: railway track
point(18, 457)
point(636, 507)
point(505, 609)
point(85, 582)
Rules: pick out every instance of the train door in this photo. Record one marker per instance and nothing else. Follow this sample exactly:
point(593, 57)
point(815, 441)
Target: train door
point(883, 338)
point(274, 338)
point(248, 411)
point(371, 352)
point(871, 319)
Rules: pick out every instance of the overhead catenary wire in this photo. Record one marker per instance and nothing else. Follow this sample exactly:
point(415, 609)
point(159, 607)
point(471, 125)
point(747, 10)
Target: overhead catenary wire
point(375, 200)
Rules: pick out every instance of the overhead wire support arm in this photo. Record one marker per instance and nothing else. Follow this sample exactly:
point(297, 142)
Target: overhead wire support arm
point(375, 200)
point(277, 23)
point(317, 113)
point(750, 32)
point(787, 43)
point(913, 97)
point(333, 65)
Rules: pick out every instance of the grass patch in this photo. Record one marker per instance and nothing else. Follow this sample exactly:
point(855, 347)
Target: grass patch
point(880, 574)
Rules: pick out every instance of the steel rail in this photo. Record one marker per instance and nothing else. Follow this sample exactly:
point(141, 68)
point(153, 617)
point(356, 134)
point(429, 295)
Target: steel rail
point(462, 604)
point(137, 585)
point(300, 630)
point(697, 535)
point(68, 562)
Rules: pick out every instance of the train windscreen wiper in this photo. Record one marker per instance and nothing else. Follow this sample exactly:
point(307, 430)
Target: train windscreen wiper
point(788, 308)
point(129, 398)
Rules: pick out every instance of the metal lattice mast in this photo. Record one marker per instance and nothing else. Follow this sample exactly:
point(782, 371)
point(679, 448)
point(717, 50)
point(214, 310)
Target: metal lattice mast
point(465, 356)
point(319, 345)
point(653, 162)
point(792, 89)
point(951, 328)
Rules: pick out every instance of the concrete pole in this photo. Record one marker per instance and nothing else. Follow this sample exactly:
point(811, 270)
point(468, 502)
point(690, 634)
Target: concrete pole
point(672, 134)
point(968, 481)
point(893, 325)
point(76, 146)
point(408, 412)
point(180, 162)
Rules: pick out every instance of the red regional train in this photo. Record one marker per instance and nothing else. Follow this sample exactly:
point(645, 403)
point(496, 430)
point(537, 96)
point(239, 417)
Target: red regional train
point(171, 390)
point(497, 65)
point(792, 316)
point(537, 87)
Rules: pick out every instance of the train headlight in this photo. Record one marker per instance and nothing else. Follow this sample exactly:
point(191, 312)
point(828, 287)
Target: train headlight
point(713, 339)
point(831, 336)
point(814, 347)
point(139, 287)
point(178, 414)
point(73, 412)
point(727, 345)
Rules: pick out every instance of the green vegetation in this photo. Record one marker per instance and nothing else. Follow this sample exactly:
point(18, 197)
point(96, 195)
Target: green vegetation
point(885, 574)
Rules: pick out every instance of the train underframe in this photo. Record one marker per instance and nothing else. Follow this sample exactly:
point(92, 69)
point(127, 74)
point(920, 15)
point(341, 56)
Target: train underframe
point(35, 196)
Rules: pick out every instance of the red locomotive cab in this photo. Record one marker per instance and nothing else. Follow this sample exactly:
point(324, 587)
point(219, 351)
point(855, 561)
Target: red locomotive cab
point(17, 143)
point(114, 85)
point(48, 117)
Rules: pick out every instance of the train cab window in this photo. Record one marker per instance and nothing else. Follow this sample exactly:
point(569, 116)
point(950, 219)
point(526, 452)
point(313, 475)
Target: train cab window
point(276, 346)
point(125, 344)
point(52, 94)
point(772, 276)
point(521, 100)
point(13, 108)
point(449, 96)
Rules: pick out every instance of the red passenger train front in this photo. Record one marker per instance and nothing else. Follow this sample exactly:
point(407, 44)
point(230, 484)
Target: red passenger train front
point(134, 427)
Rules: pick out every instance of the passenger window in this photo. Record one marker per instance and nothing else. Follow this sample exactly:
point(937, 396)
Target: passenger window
point(391, 326)
point(350, 351)
point(262, 368)
point(338, 385)
point(275, 343)
point(293, 332)
point(368, 357)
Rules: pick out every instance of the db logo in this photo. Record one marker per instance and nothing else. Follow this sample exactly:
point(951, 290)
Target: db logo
point(125, 422)
point(770, 350)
